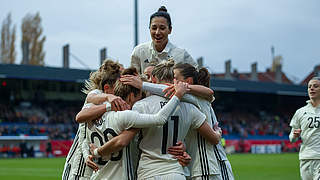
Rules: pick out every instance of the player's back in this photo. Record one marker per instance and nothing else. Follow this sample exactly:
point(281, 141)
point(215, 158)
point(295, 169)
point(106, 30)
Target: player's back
point(75, 165)
point(154, 159)
point(204, 154)
point(117, 167)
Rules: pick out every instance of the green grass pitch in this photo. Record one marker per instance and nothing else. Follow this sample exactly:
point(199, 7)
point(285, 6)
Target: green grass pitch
point(245, 167)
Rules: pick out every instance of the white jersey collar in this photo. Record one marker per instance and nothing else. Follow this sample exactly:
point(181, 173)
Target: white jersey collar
point(168, 47)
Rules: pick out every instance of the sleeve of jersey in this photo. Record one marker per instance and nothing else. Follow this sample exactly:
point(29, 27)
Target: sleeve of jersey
point(158, 88)
point(188, 59)
point(95, 91)
point(134, 119)
point(198, 118)
point(294, 125)
point(87, 105)
point(135, 60)
point(82, 138)
point(85, 148)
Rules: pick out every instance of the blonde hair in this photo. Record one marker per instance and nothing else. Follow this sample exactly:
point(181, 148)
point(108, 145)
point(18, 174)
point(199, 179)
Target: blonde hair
point(108, 73)
point(164, 71)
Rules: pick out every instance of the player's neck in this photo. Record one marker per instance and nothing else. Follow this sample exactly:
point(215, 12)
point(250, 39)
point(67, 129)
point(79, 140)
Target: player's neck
point(315, 102)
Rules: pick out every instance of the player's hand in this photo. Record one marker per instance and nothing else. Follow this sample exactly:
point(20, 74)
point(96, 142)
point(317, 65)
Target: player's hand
point(184, 160)
point(91, 164)
point(169, 91)
point(132, 80)
point(178, 149)
point(296, 133)
point(117, 103)
point(217, 128)
point(92, 148)
point(181, 88)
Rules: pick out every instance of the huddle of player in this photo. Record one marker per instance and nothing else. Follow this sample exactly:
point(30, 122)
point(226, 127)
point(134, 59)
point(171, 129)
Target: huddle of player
point(172, 133)
point(164, 126)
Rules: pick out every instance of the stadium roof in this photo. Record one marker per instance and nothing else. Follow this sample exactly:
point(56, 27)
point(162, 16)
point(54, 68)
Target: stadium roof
point(13, 71)
point(315, 72)
point(258, 87)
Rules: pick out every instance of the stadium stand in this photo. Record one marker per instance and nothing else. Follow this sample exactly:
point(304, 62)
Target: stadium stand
point(43, 101)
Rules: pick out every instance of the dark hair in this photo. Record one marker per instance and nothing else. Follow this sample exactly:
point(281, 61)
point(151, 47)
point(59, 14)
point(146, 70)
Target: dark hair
point(187, 70)
point(123, 90)
point(162, 12)
point(316, 78)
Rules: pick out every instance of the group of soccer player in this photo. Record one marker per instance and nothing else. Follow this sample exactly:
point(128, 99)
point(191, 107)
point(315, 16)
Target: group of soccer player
point(175, 139)
point(153, 120)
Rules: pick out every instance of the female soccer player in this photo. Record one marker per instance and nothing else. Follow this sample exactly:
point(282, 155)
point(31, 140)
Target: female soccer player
point(160, 48)
point(305, 124)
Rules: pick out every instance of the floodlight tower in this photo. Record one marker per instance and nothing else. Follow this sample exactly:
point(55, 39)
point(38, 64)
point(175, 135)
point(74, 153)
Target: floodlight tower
point(135, 23)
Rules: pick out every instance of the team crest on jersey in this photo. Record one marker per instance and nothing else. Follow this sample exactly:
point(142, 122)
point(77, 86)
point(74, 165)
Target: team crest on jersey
point(98, 122)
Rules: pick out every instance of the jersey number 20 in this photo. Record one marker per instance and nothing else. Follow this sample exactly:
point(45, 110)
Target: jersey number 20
point(105, 134)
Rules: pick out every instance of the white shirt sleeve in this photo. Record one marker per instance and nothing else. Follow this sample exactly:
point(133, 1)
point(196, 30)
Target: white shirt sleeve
point(129, 119)
point(95, 91)
point(135, 60)
point(198, 118)
point(85, 148)
point(188, 59)
point(158, 88)
point(295, 124)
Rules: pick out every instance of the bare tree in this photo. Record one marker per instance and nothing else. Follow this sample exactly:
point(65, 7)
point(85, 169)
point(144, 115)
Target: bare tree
point(32, 42)
point(8, 37)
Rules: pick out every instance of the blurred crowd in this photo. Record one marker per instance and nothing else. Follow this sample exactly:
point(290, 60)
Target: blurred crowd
point(253, 123)
point(57, 120)
point(53, 119)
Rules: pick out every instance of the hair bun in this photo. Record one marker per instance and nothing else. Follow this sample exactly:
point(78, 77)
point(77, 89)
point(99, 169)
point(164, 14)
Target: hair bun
point(169, 63)
point(162, 8)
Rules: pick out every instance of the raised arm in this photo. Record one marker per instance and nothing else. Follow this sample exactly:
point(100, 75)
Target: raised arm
point(115, 144)
point(93, 112)
point(158, 89)
point(97, 98)
point(134, 119)
point(202, 91)
point(96, 111)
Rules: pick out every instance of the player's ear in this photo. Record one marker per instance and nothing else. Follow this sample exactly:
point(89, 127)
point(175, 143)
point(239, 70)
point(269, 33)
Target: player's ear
point(106, 88)
point(189, 80)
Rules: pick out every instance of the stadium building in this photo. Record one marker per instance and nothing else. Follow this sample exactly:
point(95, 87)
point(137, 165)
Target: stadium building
point(39, 104)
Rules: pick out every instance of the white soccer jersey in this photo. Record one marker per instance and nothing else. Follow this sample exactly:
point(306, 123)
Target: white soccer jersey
point(75, 161)
point(207, 159)
point(144, 53)
point(112, 124)
point(201, 151)
point(154, 159)
point(307, 119)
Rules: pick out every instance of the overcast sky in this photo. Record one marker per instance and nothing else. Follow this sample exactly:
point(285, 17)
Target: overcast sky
point(240, 30)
